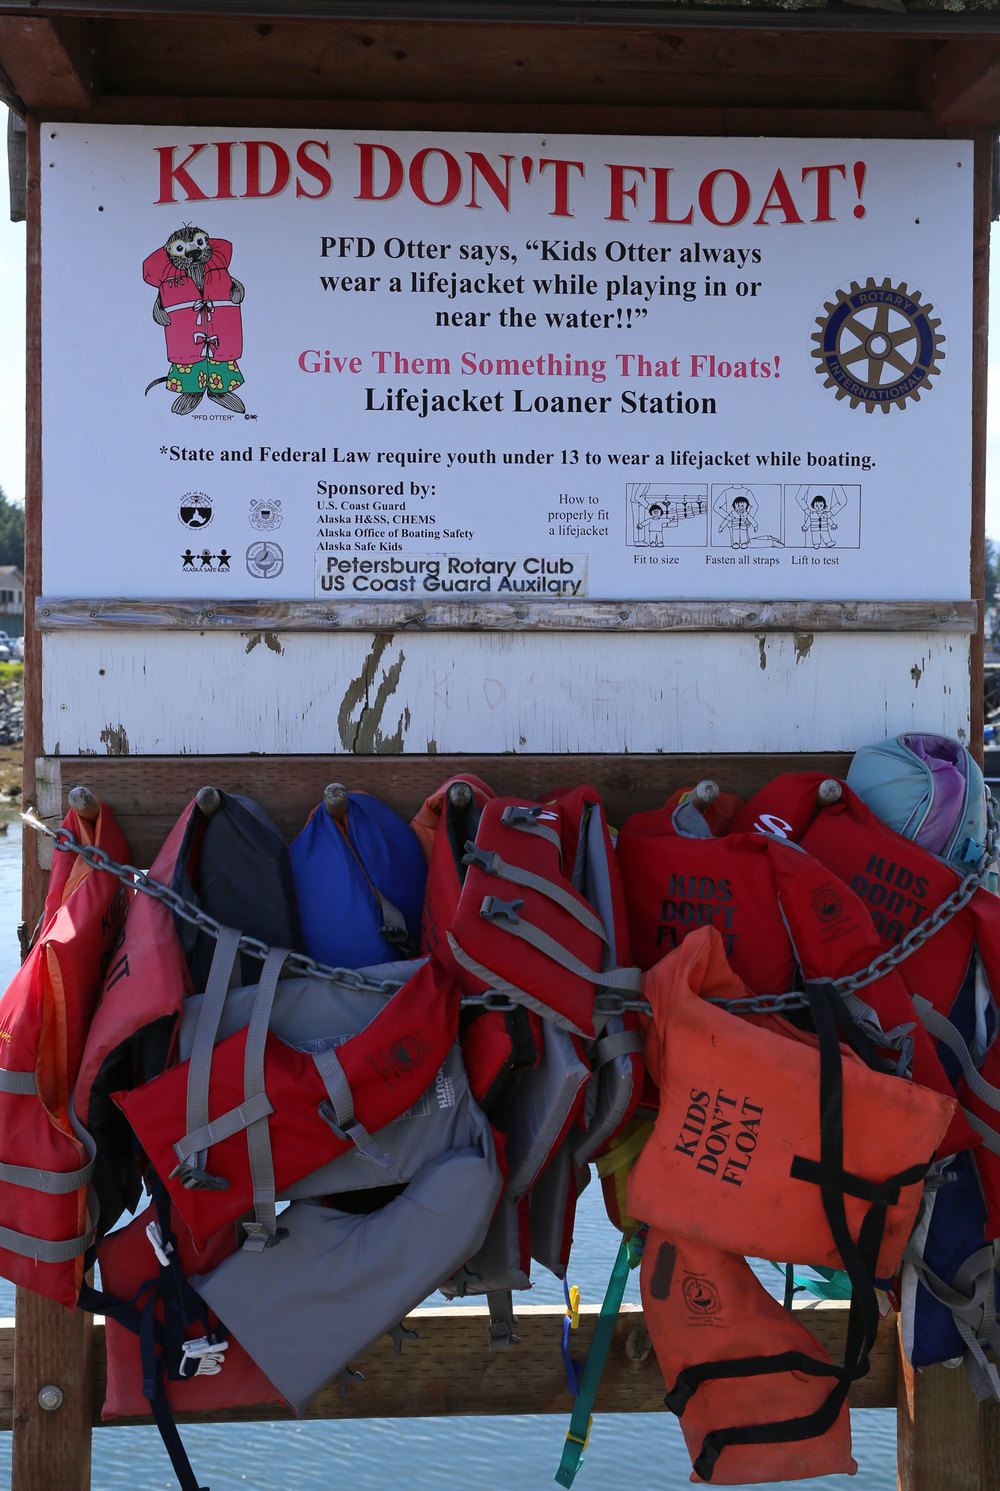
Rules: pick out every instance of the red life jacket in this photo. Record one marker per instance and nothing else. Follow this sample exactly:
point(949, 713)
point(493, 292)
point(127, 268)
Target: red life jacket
point(776, 910)
point(901, 884)
point(134, 1025)
point(129, 1270)
point(46, 1156)
point(378, 1072)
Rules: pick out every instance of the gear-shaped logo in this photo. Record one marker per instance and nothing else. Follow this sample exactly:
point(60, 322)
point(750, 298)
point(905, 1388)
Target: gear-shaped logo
point(877, 345)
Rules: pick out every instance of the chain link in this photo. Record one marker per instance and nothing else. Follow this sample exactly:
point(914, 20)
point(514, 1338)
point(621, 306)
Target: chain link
point(605, 1004)
point(939, 917)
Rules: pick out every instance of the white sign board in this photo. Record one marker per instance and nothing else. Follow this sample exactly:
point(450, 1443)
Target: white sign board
point(352, 366)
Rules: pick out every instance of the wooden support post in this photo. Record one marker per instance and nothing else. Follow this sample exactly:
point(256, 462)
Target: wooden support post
point(938, 1440)
point(54, 1352)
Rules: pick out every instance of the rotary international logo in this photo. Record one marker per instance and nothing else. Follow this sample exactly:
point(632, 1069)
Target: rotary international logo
point(878, 345)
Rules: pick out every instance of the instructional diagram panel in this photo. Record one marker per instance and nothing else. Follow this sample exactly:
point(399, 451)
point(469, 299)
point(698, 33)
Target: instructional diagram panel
point(345, 365)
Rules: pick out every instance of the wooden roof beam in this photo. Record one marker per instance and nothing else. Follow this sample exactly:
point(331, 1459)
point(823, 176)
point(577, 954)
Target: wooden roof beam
point(50, 64)
point(965, 83)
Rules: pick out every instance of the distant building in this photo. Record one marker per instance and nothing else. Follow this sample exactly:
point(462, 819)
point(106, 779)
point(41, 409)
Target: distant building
point(12, 598)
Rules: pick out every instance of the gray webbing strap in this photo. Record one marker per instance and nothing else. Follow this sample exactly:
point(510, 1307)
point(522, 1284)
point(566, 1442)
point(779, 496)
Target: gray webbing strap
point(526, 821)
point(220, 977)
point(44, 1249)
point(610, 1047)
point(502, 1320)
point(339, 1113)
point(394, 928)
point(496, 984)
point(223, 1127)
point(971, 1300)
point(263, 1232)
point(941, 1029)
point(492, 864)
point(51, 1182)
point(22, 1084)
point(689, 821)
point(629, 979)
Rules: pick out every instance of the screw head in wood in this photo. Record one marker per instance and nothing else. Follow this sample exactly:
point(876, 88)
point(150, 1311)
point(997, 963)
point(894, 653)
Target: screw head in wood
point(50, 1397)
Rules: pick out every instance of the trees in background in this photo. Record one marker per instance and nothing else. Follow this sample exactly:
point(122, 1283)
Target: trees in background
point(11, 532)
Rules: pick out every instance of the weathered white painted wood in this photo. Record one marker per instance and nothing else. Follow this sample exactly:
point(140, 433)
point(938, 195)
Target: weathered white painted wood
point(287, 693)
point(596, 616)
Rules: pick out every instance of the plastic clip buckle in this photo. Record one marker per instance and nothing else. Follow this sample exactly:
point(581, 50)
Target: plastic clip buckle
point(194, 1179)
point(493, 909)
point(522, 816)
point(486, 860)
point(156, 1243)
point(572, 1438)
point(203, 1358)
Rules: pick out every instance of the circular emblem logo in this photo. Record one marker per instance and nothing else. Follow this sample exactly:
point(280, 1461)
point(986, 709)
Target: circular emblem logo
point(265, 515)
point(195, 510)
point(407, 1053)
point(827, 904)
point(877, 345)
point(700, 1295)
point(265, 561)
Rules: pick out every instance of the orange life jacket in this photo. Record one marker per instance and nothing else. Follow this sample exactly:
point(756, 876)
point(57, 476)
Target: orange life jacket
point(757, 1396)
point(759, 1146)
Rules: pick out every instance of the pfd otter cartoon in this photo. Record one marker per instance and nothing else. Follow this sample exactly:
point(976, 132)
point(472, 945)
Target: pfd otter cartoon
point(198, 305)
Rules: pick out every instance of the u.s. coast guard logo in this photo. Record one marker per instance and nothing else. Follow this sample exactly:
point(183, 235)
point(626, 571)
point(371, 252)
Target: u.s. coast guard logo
point(701, 1296)
point(878, 345)
point(264, 514)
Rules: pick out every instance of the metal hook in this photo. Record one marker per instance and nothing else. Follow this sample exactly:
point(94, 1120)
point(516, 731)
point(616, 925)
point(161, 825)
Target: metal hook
point(208, 801)
point(84, 803)
point(335, 801)
point(460, 795)
point(705, 793)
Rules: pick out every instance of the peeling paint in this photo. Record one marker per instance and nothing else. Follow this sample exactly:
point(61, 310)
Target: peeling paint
point(803, 646)
point(363, 735)
point(916, 673)
point(432, 748)
point(115, 740)
point(269, 639)
point(762, 643)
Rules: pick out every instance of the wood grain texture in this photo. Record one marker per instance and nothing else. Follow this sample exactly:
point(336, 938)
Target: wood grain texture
point(509, 62)
point(53, 1347)
point(450, 1370)
point(64, 614)
point(51, 62)
point(147, 793)
point(937, 1431)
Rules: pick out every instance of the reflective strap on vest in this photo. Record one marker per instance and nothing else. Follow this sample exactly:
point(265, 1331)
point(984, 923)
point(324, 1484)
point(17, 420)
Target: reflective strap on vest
point(526, 819)
point(941, 1029)
point(51, 1182)
point(220, 978)
point(223, 1127)
point(21, 1084)
point(339, 1111)
point(610, 1047)
point(971, 1300)
point(491, 864)
point(263, 1231)
point(45, 1249)
point(503, 915)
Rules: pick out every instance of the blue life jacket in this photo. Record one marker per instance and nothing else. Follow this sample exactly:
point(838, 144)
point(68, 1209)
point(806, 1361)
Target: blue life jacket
point(360, 886)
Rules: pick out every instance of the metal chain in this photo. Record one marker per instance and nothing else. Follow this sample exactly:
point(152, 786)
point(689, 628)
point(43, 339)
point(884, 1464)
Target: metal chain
point(605, 1004)
point(949, 907)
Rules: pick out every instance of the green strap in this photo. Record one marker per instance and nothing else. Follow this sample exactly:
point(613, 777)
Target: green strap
point(581, 1418)
point(834, 1284)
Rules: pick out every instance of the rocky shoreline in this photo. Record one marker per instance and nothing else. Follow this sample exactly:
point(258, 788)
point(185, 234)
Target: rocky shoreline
point(11, 743)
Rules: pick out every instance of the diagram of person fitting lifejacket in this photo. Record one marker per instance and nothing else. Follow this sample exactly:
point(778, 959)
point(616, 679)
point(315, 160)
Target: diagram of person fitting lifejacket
point(198, 305)
point(737, 508)
point(657, 515)
point(819, 506)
